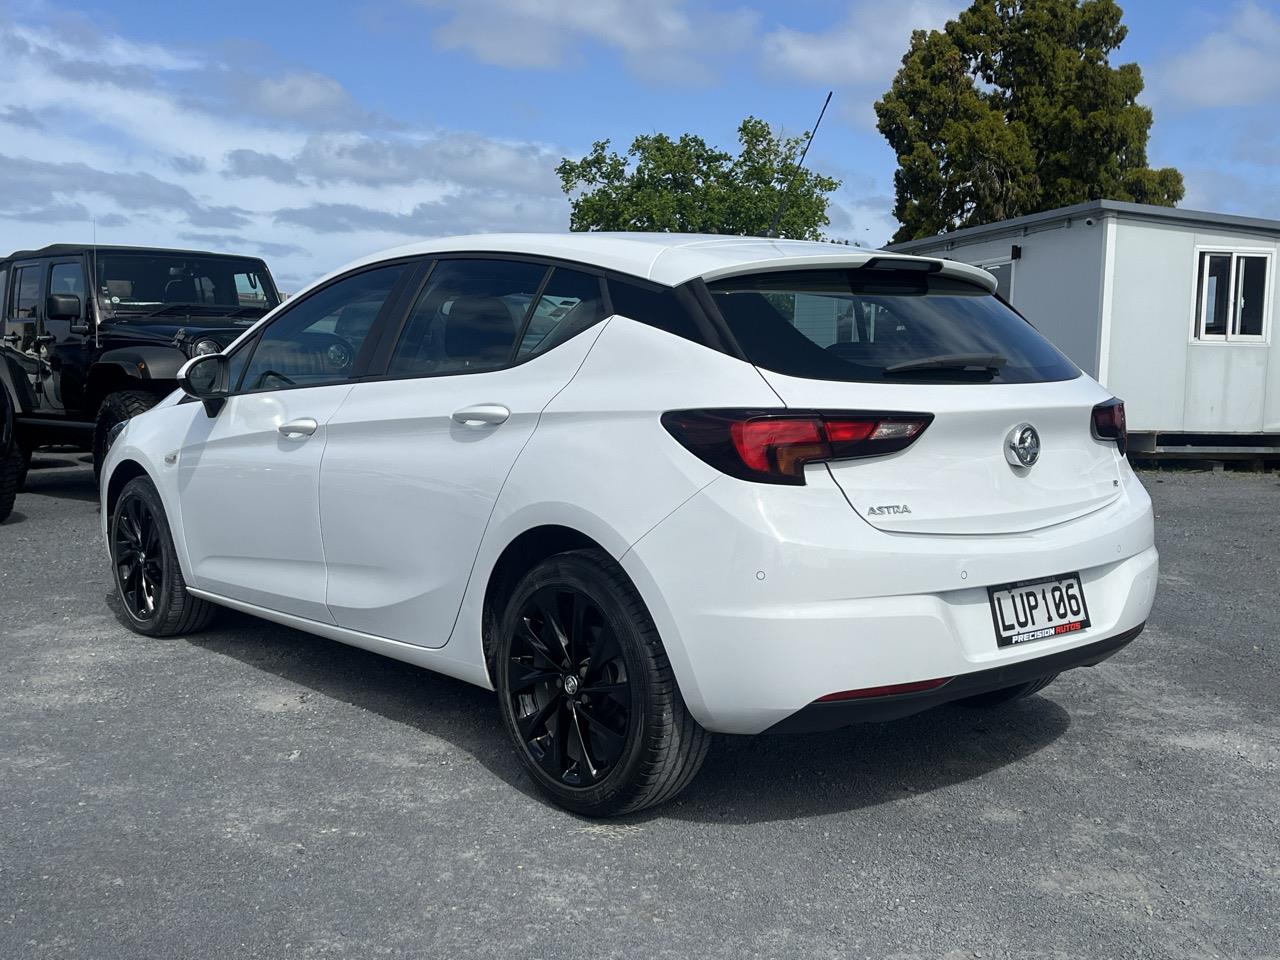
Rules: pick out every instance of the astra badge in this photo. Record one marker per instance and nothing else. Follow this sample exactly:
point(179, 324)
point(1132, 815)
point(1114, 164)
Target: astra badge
point(889, 509)
point(1022, 446)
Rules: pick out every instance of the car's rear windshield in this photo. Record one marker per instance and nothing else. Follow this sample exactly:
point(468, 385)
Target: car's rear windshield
point(883, 325)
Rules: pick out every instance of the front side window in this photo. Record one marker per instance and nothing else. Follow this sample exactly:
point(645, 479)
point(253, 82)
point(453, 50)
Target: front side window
point(883, 325)
point(467, 317)
point(67, 279)
point(1232, 290)
point(317, 341)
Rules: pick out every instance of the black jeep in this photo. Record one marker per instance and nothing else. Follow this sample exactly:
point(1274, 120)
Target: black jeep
point(77, 358)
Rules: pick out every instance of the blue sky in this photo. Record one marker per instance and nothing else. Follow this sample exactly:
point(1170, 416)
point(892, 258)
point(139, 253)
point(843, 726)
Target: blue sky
point(317, 132)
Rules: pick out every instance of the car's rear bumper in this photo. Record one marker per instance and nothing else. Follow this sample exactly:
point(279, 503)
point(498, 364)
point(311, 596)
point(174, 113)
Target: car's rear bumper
point(842, 713)
point(769, 599)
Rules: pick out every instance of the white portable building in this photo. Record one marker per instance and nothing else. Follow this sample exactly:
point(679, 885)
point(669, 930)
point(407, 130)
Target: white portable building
point(1172, 310)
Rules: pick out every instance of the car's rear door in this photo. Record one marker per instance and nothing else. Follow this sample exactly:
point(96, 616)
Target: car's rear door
point(416, 458)
point(249, 476)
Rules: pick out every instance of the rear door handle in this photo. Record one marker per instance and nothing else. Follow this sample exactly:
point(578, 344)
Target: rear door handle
point(298, 429)
point(481, 413)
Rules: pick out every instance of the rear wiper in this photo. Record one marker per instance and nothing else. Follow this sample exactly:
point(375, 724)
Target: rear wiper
point(948, 362)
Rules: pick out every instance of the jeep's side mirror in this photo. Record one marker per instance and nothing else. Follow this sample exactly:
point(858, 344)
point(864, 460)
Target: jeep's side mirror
point(62, 306)
point(205, 378)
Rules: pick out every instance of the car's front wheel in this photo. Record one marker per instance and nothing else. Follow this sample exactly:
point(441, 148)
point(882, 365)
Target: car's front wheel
point(587, 693)
point(149, 581)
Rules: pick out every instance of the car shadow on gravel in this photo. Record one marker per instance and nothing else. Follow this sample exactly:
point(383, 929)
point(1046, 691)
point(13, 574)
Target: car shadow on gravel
point(745, 779)
point(61, 478)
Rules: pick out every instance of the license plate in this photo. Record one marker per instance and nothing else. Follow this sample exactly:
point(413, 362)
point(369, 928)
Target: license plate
point(1038, 609)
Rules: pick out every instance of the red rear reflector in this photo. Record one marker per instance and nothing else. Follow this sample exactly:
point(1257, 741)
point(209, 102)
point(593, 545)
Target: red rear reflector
point(917, 686)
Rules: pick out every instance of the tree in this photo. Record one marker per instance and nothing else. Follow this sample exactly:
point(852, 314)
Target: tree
point(687, 186)
point(1013, 108)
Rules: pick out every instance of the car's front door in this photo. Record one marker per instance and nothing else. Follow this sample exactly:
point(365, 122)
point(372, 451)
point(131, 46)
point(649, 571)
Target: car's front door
point(248, 476)
point(416, 458)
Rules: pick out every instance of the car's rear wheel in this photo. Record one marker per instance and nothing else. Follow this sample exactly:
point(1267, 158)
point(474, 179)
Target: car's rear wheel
point(587, 693)
point(149, 581)
point(998, 698)
point(116, 408)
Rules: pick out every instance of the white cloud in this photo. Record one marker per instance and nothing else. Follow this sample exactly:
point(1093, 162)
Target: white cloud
point(865, 50)
point(661, 39)
point(171, 147)
point(1234, 66)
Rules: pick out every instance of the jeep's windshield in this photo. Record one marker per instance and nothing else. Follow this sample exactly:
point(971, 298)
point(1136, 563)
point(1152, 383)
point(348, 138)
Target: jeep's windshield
point(147, 283)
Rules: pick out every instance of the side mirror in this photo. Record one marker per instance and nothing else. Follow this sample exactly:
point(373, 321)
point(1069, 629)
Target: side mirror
point(62, 306)
point(205, 378)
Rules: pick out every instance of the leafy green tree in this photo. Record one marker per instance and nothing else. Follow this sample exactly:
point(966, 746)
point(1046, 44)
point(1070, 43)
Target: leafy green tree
point(1013, 108)
point(687, 186)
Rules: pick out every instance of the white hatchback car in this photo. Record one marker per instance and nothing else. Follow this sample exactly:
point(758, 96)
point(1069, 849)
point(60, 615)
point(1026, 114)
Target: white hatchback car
point(647, 487)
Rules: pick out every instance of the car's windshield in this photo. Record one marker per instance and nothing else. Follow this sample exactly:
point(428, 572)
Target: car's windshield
point(883, 325)
point(143, 283)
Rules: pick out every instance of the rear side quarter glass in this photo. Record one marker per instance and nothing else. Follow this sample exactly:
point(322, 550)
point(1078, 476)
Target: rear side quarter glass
point(659, 307)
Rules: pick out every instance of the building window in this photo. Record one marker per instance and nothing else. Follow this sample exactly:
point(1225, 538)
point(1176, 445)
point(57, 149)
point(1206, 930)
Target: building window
point(1232, 293)
point(1003, 272)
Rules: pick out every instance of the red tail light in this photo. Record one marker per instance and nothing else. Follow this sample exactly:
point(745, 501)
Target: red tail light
point(774, 446)
point(1109, 423)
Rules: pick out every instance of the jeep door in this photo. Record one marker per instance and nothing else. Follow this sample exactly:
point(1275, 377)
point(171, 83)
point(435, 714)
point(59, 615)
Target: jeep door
point(65, 341)
point(417, 456)
point(22, 327)
point(248, 476)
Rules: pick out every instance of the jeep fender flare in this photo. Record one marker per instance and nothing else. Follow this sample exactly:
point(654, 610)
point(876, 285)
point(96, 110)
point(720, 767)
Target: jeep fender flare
point(137, 368)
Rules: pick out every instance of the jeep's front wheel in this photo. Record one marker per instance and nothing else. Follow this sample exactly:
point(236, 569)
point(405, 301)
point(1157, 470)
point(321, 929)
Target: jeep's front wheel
point(116, 408)
point(10, 471)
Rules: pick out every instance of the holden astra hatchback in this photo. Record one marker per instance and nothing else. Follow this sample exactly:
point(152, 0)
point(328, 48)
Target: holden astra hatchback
point(647, 487)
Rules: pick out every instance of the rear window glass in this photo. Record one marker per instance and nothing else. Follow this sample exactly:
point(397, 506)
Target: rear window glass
point(883, 326)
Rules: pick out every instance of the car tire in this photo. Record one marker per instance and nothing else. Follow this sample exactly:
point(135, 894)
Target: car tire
point(10, 474)
point(998, 698)
point(587, 693)
point(24, 463)
point(148, 579)
point(116, 408)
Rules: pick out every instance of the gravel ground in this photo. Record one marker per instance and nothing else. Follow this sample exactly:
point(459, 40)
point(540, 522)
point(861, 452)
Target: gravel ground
point(257, 792)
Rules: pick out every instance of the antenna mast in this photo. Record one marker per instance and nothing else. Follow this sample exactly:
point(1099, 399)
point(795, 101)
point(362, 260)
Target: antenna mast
point(786, 191)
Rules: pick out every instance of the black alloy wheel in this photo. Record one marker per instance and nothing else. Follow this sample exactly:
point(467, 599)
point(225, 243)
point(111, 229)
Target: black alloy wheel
point(586, 691)
point(569, 687)
point(149, 581)
point(139, 558)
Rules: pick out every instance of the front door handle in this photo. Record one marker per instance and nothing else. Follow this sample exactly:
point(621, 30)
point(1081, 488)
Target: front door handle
point(10, 338)
point(298, 429)
point(46, 338)
point(481, 413)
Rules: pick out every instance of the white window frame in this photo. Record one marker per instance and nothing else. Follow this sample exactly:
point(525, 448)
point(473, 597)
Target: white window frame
point(1200, 294)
